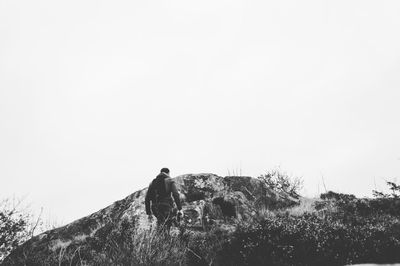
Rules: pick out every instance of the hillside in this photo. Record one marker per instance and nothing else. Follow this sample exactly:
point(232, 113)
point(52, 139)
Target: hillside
point(229, 221)
point(209, 201)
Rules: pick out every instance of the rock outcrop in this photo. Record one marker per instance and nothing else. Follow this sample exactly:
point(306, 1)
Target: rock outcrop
point(208, 200)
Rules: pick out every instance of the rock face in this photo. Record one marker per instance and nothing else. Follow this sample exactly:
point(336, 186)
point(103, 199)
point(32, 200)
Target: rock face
point(207, 200)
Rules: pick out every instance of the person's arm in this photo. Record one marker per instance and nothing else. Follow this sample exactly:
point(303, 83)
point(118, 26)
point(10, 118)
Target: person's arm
point(148, 198)
point(175, 194)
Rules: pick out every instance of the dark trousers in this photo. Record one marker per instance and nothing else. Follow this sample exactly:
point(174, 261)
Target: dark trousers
point(164, 215)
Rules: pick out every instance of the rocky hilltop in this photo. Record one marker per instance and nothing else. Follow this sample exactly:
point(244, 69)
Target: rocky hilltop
point(207, 199)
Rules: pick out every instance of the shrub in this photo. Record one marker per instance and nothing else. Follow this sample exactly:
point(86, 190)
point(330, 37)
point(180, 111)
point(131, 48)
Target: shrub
point(312, 240)
point(349, 207)
point(330, 195)
point(393, 187)
point(280, 181)
point(15, 226)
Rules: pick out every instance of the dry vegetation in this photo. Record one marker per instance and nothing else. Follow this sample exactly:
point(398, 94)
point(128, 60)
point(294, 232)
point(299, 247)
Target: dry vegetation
point(335, 229)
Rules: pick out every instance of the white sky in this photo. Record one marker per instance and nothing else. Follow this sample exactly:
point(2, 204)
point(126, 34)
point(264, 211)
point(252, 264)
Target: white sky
point(97, 96)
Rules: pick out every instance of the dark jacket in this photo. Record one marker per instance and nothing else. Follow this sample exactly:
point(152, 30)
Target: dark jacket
point(171, 191)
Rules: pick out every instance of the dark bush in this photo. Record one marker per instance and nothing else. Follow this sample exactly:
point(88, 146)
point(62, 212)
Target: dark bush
point(330, 195)
point(348, 206)
point(312, 240)
point(15, 226)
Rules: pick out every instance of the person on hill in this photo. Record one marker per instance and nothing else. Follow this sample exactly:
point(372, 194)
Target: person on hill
point(160, 197)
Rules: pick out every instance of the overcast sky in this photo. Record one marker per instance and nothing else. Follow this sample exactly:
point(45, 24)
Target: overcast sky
point(97, 96)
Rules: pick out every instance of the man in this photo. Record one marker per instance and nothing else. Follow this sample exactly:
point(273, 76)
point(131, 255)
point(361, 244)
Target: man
point(159, 200)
